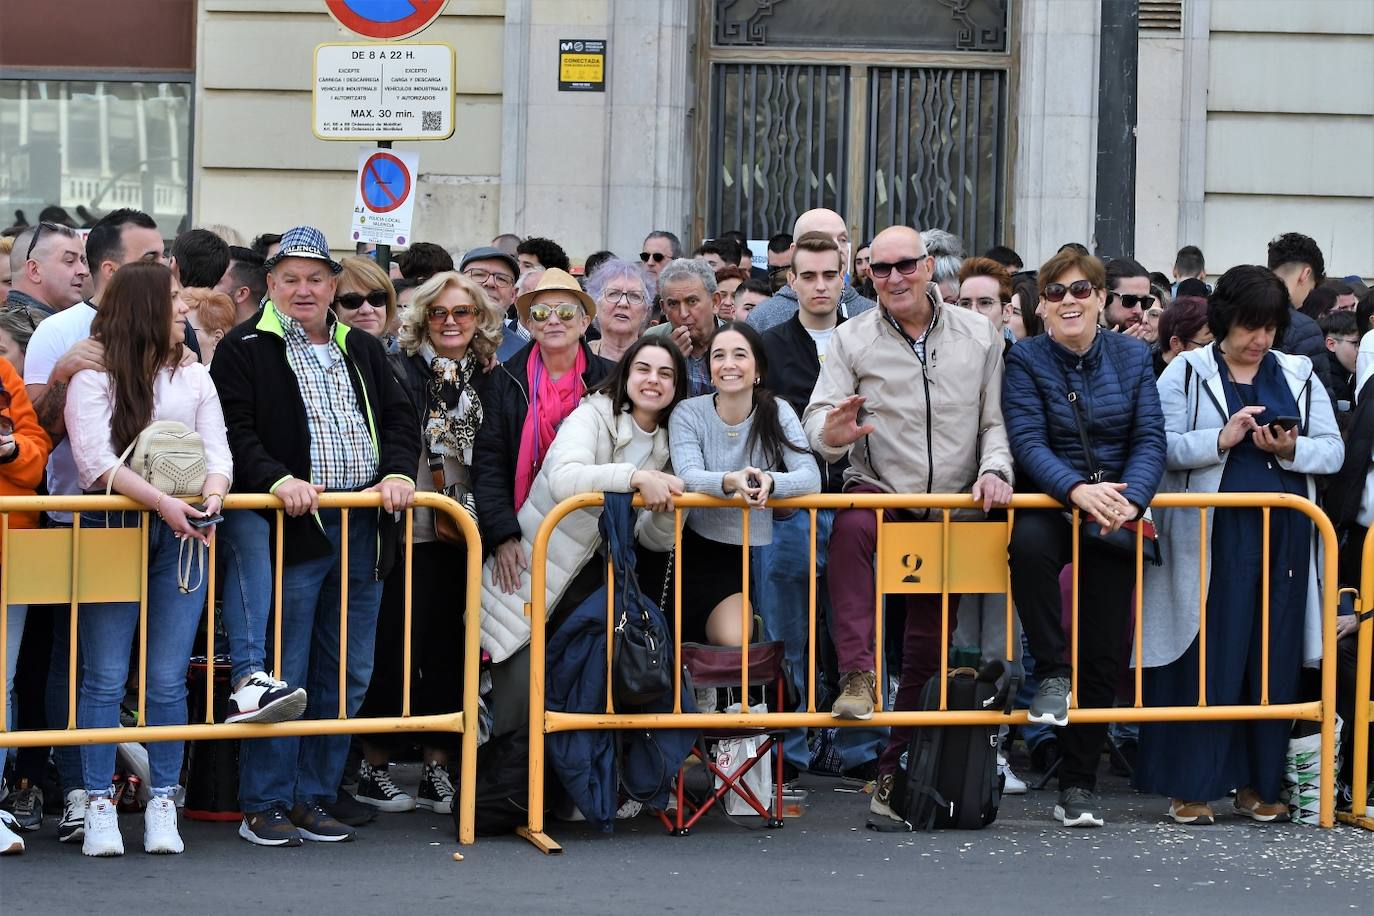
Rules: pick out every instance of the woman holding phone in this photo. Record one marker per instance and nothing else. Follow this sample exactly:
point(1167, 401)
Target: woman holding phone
point(1240, 417)
point(141, 324)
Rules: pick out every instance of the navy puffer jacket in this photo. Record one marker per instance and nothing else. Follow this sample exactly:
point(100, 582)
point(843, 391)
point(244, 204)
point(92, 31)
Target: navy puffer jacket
point(1115, 384)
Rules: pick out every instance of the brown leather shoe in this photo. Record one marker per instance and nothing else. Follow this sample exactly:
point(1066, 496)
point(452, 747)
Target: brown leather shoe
point(1196, 814)
point(1249, 804)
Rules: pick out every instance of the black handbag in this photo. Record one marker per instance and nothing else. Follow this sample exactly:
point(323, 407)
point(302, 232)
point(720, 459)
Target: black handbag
point(641, 652)
point(1122, 540)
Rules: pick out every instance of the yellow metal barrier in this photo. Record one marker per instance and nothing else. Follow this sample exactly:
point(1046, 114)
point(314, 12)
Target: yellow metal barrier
point(920, 557)
point(75, 566)
point(1364, 703)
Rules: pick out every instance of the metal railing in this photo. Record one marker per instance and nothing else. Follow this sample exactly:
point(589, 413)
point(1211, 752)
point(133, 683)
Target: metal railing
point(1363, 701)
point(932, 547)
point(82, 565)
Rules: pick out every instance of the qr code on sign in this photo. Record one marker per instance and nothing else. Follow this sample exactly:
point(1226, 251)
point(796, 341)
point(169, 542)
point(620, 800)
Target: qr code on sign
point(431, 120)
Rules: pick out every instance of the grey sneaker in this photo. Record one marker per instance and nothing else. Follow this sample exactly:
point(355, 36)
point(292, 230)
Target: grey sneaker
point(1078, 807)
point(858, 693)
point(27, 806)
point(1051, 703)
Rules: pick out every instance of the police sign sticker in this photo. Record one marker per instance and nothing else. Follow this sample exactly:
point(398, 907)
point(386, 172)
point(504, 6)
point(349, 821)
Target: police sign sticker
point(581, 65)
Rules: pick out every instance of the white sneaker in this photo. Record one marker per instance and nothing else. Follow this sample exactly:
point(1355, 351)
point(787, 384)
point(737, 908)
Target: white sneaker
point(72, 827)
point(102, 829)
point(1011, 783)
point(263, 698)
point(11, 843)
point(160, 834)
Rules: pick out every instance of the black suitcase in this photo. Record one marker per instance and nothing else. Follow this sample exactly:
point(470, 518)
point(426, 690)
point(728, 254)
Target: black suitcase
point(948, 777)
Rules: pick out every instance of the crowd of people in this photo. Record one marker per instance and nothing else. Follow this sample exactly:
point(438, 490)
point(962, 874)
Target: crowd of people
point(504, 381)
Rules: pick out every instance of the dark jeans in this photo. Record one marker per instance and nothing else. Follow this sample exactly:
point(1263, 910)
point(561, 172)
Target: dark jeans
point(1041, 545)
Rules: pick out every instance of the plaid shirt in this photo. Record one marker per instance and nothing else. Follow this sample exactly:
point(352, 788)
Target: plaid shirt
point(918, 345)
point(342, 454)
point(699, 375)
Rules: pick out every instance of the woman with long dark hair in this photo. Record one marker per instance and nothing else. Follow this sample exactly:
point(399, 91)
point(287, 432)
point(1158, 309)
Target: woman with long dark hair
point(741, 442)
point(141, 325)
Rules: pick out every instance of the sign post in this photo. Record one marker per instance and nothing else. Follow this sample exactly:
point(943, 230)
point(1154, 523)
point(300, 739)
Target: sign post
point(384, 93)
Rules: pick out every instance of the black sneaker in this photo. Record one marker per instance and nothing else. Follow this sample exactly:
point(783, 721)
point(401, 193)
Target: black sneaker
point(375, 788)
point(1051, 703)
point(269, 828)
point(1078, 807)
point(317, 824)
point(436, 789)
point(27, 806)
point(348, 810)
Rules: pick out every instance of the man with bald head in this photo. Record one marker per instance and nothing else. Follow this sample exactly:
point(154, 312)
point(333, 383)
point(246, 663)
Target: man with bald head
point(48, 269)
point(783, 305)
point(911, 392)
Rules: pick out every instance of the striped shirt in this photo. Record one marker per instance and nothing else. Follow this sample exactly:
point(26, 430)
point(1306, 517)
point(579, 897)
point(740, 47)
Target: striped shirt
point(342, 453)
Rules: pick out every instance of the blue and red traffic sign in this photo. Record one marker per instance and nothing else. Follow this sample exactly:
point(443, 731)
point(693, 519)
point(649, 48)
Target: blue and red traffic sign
point(385, 182)
point(385, 20)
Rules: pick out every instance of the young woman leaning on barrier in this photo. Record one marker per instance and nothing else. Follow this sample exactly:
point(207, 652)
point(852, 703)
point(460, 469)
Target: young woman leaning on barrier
point(1084, 423)
point(1241, 418)
point(616, 441)
point(24, 451)
point(141, 327)
point(448, 336)
point(741, 443)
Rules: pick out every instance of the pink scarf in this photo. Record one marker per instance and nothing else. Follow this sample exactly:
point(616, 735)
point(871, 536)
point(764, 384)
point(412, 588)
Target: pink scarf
point(550, 403)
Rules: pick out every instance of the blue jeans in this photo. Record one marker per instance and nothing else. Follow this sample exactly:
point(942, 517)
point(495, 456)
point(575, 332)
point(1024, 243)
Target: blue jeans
point(284, 771)
point(106, 632)
point(246, 545)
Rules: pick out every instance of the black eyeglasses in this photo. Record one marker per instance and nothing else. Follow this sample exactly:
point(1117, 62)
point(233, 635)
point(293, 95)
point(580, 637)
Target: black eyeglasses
point(1131, 302)
point(33, 242)
point(658, 256)
point(906, 267)
point(354, 301)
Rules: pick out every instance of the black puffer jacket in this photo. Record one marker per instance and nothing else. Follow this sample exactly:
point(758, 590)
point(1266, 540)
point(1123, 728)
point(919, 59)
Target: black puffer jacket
point(505, 402)
point(1305, 338)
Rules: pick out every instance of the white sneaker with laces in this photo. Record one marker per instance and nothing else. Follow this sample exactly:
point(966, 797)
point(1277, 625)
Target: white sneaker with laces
point(102, 829)
point(72, 827)
point(160, 835)
point(1011, 783)
point(263, 698)
point(11, 843)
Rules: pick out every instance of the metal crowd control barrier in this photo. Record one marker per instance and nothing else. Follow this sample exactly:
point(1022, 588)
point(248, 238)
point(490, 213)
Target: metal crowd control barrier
point(945, 557)
point(75, 566)
point(1363, 701)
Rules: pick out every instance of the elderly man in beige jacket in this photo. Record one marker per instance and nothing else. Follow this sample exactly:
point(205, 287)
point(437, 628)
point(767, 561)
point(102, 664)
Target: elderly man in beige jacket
point(911, 391)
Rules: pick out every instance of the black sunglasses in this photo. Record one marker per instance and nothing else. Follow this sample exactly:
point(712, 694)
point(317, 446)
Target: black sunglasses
point(1079, 289)
point(658, 256)
point(1131, 302)
point(33, 242)
point(354, 301)
point(906, 267)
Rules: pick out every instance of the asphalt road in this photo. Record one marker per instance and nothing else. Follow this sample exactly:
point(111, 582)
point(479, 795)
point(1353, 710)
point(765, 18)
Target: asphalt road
point(822, 862)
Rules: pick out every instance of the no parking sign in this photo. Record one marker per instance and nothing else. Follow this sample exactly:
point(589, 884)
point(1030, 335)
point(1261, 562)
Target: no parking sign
point(384, 200)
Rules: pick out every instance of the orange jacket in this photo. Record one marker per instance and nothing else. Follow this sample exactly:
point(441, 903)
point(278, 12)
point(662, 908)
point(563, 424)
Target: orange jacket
point(22, 475)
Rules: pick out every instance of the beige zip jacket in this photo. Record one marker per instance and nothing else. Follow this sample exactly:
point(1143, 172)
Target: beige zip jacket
point(938, 426)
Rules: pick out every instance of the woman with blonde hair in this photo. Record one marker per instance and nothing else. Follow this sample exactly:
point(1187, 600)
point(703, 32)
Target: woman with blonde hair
point(448, 336)
point(365, 298)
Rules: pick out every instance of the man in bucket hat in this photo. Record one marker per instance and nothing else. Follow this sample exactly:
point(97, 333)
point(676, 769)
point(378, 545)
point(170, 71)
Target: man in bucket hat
point(311, 407)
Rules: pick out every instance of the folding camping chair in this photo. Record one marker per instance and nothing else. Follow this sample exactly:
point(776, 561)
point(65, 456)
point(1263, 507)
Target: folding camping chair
point(719, 666)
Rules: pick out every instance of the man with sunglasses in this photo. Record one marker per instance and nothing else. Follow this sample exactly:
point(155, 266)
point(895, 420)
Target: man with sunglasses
point(660, 247)
point(1128, 297)
point(875, 401)
point(782, 306)
point(48, 269)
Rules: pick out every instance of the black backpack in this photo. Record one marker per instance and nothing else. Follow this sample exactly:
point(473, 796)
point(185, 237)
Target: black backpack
point(949, 776)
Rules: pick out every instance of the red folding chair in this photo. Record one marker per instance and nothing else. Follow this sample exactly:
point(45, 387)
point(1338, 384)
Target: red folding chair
point(719, 666)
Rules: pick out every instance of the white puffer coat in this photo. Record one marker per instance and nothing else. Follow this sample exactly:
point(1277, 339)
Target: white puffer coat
point(585, 458)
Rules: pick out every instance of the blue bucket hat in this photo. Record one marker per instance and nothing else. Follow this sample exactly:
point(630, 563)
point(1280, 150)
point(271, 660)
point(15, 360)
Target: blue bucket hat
point(304, 242)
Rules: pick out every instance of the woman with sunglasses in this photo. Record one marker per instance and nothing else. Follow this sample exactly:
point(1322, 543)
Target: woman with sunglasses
point(448, 336)
point(1240, 417)
point(24, 449)
point(1083, 418)
point(527, 399)
point(365, 298)
point(623, 293)
point(141, 324)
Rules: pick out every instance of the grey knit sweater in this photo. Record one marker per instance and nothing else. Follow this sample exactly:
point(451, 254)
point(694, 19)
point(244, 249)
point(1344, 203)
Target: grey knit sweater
point(705, 448)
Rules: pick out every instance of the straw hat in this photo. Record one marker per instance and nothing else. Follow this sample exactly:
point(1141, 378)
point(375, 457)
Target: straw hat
point(555, 279)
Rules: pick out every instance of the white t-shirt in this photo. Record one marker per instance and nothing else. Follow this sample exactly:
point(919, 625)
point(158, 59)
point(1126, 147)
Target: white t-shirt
point(1364, 361)
point(822, 339)
point(639, 448)
point(54, 337)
